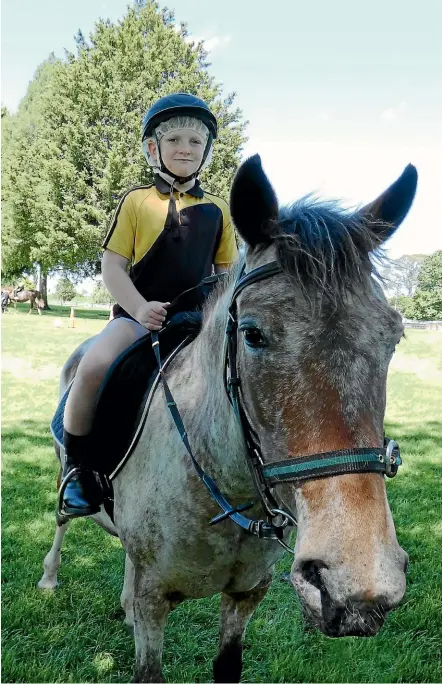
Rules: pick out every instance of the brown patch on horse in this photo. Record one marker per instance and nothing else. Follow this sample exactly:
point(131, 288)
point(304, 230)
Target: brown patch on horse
point(330, 430)
point(330, 433)
point(355, 488)
point(369, 596)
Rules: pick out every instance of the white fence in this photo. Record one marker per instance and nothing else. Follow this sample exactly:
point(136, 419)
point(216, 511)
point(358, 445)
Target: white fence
point(423, 325)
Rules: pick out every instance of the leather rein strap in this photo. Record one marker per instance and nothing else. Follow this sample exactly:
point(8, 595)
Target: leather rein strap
point(260, 528)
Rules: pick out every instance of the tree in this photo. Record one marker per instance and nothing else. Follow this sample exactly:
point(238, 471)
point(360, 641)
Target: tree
point(76, 137)
point(25, 147)
point(65, 291)
point(100, 294)
point(427, 301)
point(411, 266)
point(427, 305)
point(401, 275)
point(23, 282)
point(430, 276)
point(404, 305)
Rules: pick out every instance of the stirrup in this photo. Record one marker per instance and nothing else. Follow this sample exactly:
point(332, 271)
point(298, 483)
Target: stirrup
point(64, 512)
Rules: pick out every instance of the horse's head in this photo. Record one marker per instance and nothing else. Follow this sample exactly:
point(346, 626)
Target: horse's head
point(315, 344)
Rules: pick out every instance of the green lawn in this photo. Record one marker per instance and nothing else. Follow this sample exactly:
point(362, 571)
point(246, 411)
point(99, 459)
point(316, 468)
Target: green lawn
point(76, 633)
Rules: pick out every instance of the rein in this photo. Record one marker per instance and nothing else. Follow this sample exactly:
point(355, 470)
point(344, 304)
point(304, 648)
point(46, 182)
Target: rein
point(266, 476)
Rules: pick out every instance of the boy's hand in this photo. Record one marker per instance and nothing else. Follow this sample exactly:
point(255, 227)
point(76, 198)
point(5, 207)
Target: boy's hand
point(152, 314)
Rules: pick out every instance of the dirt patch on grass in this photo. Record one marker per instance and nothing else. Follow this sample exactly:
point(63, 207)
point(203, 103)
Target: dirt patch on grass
point(425, 369)
point(22, 369)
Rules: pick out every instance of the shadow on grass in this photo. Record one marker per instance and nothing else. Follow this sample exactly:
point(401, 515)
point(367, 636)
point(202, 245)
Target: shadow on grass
point(62, 635)
point(417, 484)
point(76, 633)
point(34, 433)
point(408, 434)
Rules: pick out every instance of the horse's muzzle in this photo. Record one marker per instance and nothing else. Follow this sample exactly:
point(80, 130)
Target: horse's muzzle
point(342, 602)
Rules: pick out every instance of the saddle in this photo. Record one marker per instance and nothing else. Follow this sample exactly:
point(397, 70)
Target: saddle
point(125, 395)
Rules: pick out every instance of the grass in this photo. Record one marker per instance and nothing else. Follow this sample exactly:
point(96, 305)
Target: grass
point(64, 311)
point(76, 633)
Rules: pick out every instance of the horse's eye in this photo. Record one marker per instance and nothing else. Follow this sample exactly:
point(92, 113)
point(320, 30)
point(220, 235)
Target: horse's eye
point(253, 337)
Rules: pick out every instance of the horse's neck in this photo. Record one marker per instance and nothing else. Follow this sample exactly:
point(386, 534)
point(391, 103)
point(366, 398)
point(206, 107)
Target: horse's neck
point(216, 434)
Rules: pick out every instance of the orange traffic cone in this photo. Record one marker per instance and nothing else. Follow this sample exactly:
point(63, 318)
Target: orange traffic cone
point(72, 318)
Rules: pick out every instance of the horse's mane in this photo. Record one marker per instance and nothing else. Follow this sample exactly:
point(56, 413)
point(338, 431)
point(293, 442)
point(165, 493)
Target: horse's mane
point(324, 248)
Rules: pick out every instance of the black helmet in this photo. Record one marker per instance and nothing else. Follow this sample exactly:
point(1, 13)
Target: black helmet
point(178, 104)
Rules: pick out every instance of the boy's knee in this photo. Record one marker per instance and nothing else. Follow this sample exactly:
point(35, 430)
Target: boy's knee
point(93, 369)
point(95, 364)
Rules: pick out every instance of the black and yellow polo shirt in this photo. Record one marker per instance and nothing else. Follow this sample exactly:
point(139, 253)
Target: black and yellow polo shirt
point(171, 250)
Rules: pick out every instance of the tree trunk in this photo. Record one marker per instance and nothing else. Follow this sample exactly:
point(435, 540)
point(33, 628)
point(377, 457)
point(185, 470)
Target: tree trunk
point(42, 286)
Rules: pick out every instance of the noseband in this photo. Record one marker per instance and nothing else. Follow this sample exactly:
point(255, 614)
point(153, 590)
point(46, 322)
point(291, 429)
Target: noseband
point(266, 476)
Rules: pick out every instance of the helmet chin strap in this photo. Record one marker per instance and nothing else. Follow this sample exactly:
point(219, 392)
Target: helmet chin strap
point(179, 179)
point(181, 187)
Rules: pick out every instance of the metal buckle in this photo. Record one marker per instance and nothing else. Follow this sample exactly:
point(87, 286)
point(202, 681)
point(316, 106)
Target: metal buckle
point(392, 458)
point(288, 519)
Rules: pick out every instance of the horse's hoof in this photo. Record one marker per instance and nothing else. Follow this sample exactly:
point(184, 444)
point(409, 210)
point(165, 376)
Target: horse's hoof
point(130, 628)
point(47, 584)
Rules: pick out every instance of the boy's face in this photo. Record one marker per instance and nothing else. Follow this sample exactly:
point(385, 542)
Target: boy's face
point(182, 151)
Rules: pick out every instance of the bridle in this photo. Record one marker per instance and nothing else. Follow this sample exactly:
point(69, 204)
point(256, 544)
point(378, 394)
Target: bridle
point(266, 476)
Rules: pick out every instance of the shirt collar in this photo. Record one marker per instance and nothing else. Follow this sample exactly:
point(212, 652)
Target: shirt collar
point(164, 187)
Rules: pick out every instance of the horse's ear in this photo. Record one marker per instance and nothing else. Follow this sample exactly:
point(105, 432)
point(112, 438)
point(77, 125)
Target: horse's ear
point(389, 209)
point(253, 202)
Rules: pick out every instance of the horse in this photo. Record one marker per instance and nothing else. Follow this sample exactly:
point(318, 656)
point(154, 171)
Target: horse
point(33, 296)
point(5, 300)
point(282, 399)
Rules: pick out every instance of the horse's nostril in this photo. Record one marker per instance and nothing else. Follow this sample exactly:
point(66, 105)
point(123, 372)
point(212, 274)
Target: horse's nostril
point(310, 571)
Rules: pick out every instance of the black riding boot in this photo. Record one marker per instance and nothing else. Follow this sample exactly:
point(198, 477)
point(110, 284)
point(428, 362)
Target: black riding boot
point(82, 495)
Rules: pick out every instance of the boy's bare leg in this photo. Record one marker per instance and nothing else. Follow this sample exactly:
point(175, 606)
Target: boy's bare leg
point(117, 336)
point(82, 495)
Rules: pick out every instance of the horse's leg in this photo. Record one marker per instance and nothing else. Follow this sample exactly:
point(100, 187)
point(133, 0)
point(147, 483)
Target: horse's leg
point(127, 594)
point(151, 609)
point(52, 561)
point(236, 610)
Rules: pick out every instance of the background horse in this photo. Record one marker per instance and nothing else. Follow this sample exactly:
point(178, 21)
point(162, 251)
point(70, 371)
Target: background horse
point(5, 300)
point(32, 296)
point(313, 341)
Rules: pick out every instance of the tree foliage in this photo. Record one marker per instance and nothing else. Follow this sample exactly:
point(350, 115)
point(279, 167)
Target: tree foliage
point(73, 148)
point(427, 301)
point(24, 183)
point(430, 276)
point(401, 275)
point(403, 304)
point(100, 294)
point(65, 290)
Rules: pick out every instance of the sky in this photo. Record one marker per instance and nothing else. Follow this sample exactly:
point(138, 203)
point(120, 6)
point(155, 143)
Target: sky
point(340, 95)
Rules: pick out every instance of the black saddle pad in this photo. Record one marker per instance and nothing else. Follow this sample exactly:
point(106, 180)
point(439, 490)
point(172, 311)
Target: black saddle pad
point(124, 391)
